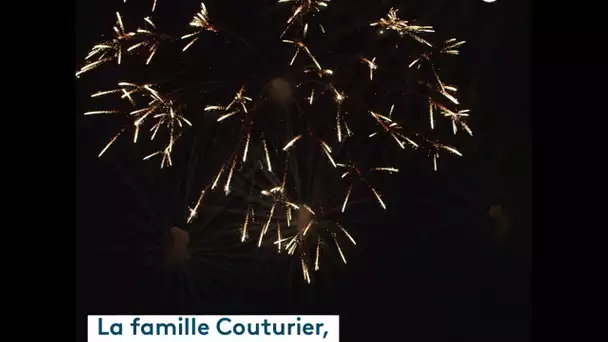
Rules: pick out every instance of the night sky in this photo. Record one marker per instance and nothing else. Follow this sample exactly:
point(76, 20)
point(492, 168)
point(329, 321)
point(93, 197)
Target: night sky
point(435, 267)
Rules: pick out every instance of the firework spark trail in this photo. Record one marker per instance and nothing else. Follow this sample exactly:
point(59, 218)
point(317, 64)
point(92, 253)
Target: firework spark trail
point(302, 8)
point(436, 147)
point(457, 117)
point(299, 47)
point(194, 211)
point(165, 152)
point(450, 47)
point(371, 64)
point(394, 129)
point(148, 38)
point(267, 155)
point(228, 111)
point(403, 27)
point(201, 23)
point(355, 174)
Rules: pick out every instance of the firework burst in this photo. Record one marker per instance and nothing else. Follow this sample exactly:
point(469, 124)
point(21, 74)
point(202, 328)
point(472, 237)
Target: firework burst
point(294, 210)
point(285, 102)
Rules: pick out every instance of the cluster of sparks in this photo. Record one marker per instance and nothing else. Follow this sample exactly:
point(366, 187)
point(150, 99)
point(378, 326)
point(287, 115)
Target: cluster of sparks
point(123, 43)
point(200, 23)
point(294, 227)
point(160, 110)
point(403, 27)
point(302, 9)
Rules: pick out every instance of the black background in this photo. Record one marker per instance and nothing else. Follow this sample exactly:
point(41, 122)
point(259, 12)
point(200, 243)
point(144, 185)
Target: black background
point(436, 272)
